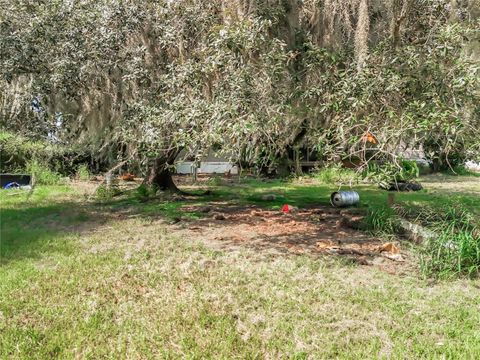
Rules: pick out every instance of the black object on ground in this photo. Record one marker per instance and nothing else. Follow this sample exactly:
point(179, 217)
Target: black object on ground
point(405, 186)
point(20, 179)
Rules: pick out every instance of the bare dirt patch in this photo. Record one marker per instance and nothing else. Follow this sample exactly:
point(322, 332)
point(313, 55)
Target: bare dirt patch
point(315, 231)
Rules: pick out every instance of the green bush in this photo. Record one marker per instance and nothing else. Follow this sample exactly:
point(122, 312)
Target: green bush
point(145, 191)
point(215, 180)
point(83, 173)
point(336, 174)
point(16, 152)
point(42, 175)
point(462, 171)
point(409, 171)
point(390, 172)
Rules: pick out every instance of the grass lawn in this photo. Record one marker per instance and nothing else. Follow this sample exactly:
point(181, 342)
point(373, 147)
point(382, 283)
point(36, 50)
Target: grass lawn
point(81, 279)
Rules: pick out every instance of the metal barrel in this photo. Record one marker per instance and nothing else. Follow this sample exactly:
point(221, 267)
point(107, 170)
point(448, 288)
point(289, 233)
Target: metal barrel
point(344, 198)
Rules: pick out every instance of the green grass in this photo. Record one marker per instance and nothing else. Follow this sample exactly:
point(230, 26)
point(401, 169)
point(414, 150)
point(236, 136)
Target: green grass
point(382, 221)
point(455, 248)
point(336, 175)
point(78, 282)
point(306, 193)
point(462, 171)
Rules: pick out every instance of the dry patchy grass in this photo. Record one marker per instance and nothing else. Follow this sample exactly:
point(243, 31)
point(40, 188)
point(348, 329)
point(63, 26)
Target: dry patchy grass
point(130, 288)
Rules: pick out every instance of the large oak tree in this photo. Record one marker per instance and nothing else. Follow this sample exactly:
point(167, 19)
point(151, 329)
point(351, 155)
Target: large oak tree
point(146, 79)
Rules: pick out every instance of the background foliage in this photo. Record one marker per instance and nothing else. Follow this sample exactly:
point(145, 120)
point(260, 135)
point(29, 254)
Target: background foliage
point(144, 80)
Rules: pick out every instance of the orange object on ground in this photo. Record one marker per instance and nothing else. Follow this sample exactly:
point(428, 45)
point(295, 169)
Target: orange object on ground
point(389, 247)
point(370, 138)
point(127, 177)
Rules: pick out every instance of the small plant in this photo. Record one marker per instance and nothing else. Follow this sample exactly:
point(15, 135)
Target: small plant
point(104, 192)
point(145, 191)
point(42, 174)
point(382, 221)
point(408, 171)
point(83, 173)
point(216, 180)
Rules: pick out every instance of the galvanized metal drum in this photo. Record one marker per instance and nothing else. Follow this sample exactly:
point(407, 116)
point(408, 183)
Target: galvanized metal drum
point(344, 198)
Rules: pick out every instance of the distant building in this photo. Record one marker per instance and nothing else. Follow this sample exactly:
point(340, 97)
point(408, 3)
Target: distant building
point(212, 163)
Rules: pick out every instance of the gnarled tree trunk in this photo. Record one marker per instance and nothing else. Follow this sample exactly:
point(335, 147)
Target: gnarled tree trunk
point(159, 174)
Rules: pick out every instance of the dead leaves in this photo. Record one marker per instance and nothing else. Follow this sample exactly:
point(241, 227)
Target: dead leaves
point(388, 250)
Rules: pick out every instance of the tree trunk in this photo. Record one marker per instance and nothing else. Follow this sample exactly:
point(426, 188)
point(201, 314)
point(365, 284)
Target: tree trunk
point(298, 166)
point(159, 174)
point(400, 11)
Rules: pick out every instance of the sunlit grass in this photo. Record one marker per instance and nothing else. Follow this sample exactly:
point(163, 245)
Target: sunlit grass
point(79, 282)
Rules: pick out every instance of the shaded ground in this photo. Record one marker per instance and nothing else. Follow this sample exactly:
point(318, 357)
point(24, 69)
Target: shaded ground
point(316, 229)
point(313, 231)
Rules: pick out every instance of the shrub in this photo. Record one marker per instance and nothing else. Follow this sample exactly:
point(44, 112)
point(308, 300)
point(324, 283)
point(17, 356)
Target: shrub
point(389, 172)
point(104, 192)
point(216, 180)
point(16, 152)
point(42, 175)
point(461, 170)
point(335, 174)
point(409, 171)
point(145, 191)
point(82, 172)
